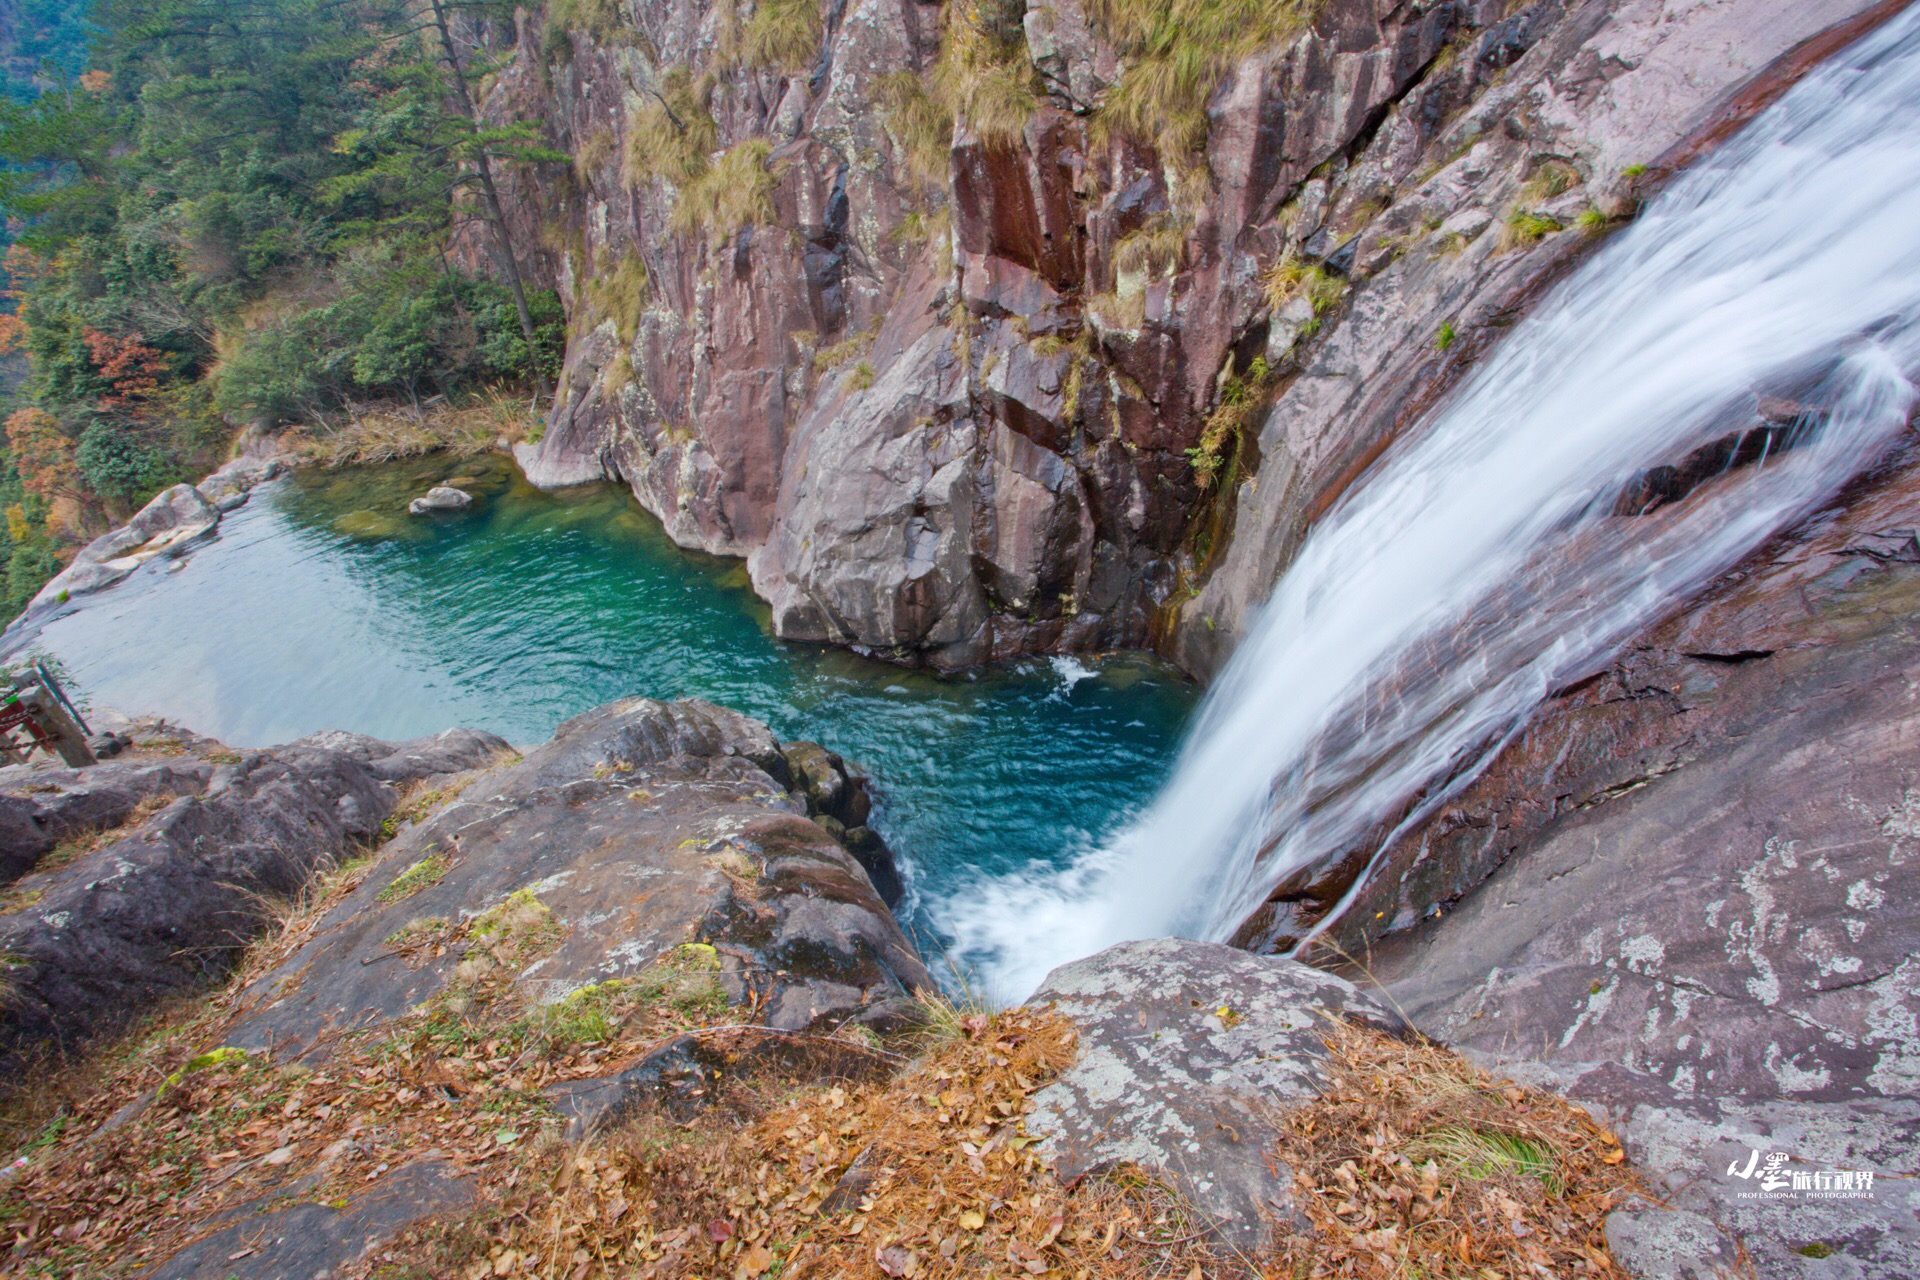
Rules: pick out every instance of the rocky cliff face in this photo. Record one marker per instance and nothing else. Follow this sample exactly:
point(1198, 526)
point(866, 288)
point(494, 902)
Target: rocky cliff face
point(964, 385)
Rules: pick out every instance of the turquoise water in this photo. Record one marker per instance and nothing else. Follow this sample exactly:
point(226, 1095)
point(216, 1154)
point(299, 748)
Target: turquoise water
point(321, 605)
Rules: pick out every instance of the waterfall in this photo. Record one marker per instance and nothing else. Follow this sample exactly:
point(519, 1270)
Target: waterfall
point(1481, 565)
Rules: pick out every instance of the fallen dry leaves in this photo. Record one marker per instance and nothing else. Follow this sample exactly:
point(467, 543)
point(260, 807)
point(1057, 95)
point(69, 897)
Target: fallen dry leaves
point(927, 1174)
point(1414, 1162)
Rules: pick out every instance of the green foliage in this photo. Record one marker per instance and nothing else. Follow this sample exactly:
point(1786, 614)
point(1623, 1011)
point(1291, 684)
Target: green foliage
point(47, 46)
point(121, 467)
point(1483, 1153)
point(735, 191)
point(1291, 278)
point(1445, 338)
point(1591, 221)
point(1175, 53)
point(239, 209)
point(1523, 228)
point(397, 323)
point(422, 874)
point(1242, 397)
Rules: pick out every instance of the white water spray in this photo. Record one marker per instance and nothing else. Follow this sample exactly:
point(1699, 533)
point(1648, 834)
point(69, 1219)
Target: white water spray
point(1480, 566)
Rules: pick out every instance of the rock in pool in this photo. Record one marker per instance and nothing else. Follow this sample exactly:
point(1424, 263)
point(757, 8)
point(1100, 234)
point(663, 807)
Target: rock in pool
point(441, 497)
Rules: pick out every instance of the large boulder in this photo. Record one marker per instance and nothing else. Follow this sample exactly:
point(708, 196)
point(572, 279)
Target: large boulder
point(167, 525)
point(640, 827)
point(442, 497)
point(1186, 1050)
point(166, 909)
point(40, 808)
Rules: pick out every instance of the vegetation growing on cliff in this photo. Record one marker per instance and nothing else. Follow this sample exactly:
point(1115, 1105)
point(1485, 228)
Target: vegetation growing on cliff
point(984, 75)
point(239, 214)
point(735, 191)
point(1175, 53)
point(673, 133)
point(779, 35)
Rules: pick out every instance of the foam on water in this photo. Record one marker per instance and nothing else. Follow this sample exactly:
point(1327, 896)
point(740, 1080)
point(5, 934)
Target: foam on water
point(1480, 565)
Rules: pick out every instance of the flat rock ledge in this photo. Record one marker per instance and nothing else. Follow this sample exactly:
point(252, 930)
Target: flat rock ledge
point(169, 525)
point(1186, 1051)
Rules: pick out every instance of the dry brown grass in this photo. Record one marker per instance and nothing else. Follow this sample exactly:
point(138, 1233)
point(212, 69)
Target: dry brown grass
point(1175, 53)
point(983, 76)
point(1414, 1162)
point(673, 131)
point(212, 1130)
point(383, 435)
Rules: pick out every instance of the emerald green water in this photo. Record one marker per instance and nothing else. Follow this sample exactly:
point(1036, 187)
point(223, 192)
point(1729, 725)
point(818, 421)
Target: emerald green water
point(322, 605)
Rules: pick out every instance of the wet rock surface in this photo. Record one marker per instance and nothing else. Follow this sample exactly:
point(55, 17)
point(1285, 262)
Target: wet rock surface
point(441, 497)
point(640, 827)
point(1688, 890)
point(1186, 1051)
point(1606, 99)
point(164, 909)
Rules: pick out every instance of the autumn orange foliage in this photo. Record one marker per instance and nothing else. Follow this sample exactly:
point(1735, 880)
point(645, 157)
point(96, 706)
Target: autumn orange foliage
point(133, 368)
point(42, 454)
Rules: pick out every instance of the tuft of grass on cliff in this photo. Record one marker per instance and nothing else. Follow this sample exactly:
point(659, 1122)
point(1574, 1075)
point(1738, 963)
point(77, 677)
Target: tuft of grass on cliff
point(1175, 53)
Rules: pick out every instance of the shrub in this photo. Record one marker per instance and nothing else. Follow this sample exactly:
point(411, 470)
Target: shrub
point(119, 466)
point(395, 324)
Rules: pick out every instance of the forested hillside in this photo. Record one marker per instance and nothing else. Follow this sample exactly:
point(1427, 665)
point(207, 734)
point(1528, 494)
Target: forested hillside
point(237, 213)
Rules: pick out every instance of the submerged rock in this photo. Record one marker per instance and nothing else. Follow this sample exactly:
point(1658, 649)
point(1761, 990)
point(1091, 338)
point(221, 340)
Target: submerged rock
point(441, 497)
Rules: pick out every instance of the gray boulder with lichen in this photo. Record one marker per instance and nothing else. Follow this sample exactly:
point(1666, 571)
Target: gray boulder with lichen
point(1186, 1048)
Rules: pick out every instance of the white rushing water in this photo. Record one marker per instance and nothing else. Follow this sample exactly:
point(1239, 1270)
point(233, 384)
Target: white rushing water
point(1479, 566)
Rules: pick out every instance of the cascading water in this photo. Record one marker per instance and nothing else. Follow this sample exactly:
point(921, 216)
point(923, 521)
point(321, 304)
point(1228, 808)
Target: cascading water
point(1481, 565)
